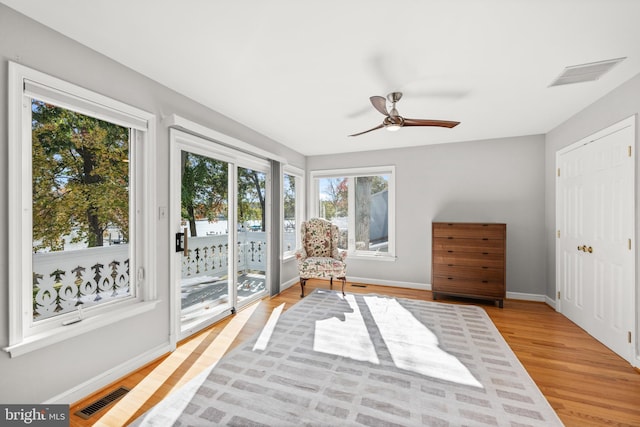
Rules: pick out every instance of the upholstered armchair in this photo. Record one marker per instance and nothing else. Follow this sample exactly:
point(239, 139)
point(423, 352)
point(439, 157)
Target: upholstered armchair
point(319, 257)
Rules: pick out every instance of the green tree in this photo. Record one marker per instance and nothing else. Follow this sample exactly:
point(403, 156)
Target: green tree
point(80, 177)
point(289, 199)
point(204, 189)
point(251, 196)
point(336, 202)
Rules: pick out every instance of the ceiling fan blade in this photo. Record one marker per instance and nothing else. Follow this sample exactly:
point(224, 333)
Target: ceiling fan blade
point(427, 122)
point(375, 128)
point(380, 104)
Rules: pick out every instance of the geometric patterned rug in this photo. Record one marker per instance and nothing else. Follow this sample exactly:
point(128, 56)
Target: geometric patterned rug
point(364, 359)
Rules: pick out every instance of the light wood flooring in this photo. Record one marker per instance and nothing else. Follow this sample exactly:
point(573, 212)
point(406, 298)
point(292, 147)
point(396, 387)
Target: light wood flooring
point(586, 383)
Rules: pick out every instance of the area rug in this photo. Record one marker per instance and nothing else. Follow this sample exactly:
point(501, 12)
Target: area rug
point(364, 360)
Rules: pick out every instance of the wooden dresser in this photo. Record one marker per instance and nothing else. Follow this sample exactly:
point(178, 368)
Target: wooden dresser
point(468, 260)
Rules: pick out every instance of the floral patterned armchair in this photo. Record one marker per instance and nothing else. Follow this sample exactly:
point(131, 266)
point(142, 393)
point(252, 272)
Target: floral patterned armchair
point(319, 257)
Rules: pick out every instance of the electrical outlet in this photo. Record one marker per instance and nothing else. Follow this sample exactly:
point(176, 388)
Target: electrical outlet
point(162, 212)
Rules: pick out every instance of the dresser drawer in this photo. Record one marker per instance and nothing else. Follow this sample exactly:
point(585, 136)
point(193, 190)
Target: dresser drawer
point(469, 231)
point(465, 272)
point(468, 287)
point(468, 259)
point(455, 244)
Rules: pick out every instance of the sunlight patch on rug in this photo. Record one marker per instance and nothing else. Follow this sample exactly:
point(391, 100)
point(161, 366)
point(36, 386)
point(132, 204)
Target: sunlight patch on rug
point(348, 338)
point(413, 346)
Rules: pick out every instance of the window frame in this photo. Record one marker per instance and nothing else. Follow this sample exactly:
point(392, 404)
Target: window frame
point(298, 175)
point(352, 173)
point(24, 335)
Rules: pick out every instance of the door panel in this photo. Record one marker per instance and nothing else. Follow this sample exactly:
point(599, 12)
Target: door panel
point(205, 276)
point(252, 234)
point(596, 268)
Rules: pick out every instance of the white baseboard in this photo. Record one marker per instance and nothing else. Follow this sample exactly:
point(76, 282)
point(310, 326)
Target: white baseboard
point(392, 283)
point(91, 386)
point(288, 283)
point(526, 297)
point(532, 297)
point(550, 302)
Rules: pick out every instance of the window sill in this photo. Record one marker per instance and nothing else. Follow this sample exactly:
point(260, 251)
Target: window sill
point(289, 257)
point(39, 341)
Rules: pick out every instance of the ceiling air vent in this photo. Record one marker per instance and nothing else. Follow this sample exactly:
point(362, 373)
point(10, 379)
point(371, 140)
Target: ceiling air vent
point(585, 72)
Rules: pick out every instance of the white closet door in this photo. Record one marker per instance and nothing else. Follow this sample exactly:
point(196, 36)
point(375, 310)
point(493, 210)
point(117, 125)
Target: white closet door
point(595, 259)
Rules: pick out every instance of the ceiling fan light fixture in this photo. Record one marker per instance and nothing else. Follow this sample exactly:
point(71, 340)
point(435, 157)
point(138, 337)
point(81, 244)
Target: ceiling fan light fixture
point(393, 123)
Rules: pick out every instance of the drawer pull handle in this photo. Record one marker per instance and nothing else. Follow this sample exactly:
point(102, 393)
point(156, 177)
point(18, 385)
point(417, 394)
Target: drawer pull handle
point(449, 278)
point(485, 238)
point(450, 252)
point(485, 281)
point(485, 253)
point(450, 238)
point(484, 267)
point(449, 265)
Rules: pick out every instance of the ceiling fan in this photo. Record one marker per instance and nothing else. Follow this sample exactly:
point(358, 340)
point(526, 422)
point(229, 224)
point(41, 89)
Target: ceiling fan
point(393, 121)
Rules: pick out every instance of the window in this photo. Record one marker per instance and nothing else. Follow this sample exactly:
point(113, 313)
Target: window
point(77, 168)
point(293, 204)
point(361, 203)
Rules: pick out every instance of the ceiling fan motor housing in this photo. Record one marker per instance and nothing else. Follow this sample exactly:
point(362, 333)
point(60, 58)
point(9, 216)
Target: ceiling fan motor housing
point(394, 97)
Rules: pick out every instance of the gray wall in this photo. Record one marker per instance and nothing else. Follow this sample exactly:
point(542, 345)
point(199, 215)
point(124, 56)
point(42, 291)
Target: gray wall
point(497, 180)
point(44, 374)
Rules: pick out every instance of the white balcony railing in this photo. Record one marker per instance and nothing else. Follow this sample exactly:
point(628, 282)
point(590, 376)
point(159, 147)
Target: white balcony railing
point(62, 281)
point(209, 255)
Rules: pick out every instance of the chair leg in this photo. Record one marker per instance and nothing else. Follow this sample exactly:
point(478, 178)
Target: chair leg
point(302, 283)
point(344, 279)
point(331, 283)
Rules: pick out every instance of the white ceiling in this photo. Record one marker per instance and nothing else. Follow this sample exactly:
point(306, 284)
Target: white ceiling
point(301, 72)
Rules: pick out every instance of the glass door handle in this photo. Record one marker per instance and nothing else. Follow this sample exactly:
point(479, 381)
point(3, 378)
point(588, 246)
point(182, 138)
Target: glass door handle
point(182, 241)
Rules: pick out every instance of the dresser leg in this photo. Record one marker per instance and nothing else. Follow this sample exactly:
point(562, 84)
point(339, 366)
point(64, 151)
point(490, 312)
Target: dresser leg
point(500, 303)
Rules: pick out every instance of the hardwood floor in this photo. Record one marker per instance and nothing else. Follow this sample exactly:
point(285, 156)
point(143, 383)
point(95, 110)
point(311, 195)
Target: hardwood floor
point(586, 383)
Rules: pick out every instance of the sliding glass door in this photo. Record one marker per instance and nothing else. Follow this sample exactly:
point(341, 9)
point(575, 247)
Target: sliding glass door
point(218, 214)
point(252, 233)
